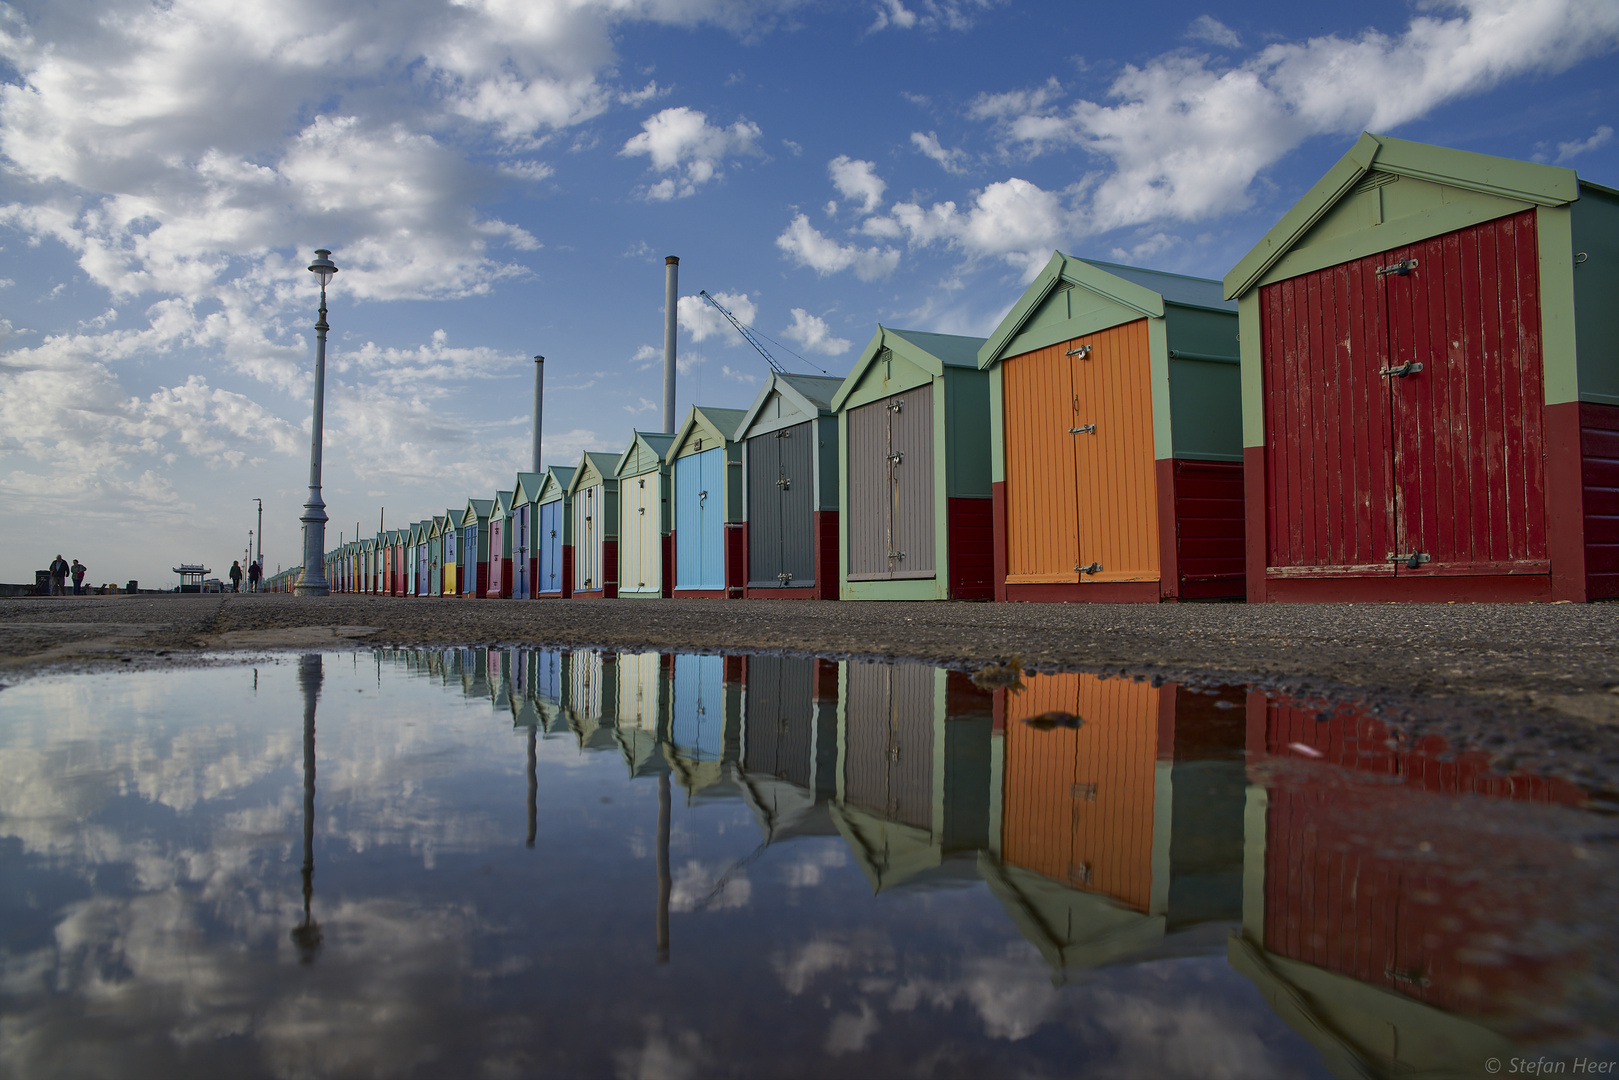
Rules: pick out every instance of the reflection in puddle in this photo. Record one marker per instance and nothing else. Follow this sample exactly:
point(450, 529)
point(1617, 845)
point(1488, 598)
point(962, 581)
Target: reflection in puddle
point(521, 862)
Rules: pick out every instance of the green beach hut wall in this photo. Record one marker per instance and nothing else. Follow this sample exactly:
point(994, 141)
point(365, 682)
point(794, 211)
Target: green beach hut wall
point(913, 452)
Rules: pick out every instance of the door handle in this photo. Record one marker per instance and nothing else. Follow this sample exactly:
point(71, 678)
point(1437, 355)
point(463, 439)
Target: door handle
point(1407, 368)
point(1412, 560)
point(1091, 569)
point(1088, 429)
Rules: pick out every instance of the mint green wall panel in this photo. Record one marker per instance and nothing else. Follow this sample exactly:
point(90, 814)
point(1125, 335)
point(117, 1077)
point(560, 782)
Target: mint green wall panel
point(1595, 225)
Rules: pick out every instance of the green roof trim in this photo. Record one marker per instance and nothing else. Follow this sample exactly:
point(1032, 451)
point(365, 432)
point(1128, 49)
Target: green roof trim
point(1522, 181)
point(645, 453)
point(812, 394)
point(704, 421)
point(930, 352)
point(556, 486)
point(595, 467)
point(477, 510)
point(528, 487)
point(1124, 285)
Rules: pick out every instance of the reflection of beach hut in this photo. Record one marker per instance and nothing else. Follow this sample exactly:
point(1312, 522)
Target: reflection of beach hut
point(593, 697)
point(553, 537)
point(644, 569)
point(475, 548)
point(1430, 398)
point(594, 493)
point(913, 451)
point(790, 482)
point(913, 789)
point(706, 490)
point(789, 748)
point(500, 547)
point(525, 527)
point(642, 719)
point(1119, 832)
point(705, 714)
point(1115, 418)
point(1366, 908)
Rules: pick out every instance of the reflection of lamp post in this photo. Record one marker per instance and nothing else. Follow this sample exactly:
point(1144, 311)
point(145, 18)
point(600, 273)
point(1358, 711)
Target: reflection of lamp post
point(533, 781)
point(313, 580)
point(663, 867)
point(306, 935)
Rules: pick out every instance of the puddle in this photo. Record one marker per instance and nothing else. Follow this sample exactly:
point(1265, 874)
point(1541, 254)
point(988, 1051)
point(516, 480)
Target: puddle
point(533, 863)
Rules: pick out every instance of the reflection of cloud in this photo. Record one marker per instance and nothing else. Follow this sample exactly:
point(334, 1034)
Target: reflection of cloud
point(806, 872)
point(850, 1031)
point(662, 1058)
point(694, 883)
point(800, 968)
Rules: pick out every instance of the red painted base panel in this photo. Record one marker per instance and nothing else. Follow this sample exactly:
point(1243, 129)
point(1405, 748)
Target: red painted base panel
point(701, 594)
point(1505, 589)
point(1101, 592)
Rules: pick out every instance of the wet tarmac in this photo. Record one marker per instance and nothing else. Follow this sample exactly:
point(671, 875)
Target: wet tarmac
point(588, 862)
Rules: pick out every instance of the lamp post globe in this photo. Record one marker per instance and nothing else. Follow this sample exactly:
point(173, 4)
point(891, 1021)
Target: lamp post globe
point(312, 581)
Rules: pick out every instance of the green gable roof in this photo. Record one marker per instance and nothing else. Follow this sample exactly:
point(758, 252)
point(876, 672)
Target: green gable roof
point(930, 352)
point(477, 511)
point(812, 394)
point(557, 480)
point(644, 454)
point(1522, 181)
point(594, 467)
point(707, 423)
point(528, 488)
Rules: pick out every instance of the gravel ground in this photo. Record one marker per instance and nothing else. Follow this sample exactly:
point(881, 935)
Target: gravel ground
point(1537, 684)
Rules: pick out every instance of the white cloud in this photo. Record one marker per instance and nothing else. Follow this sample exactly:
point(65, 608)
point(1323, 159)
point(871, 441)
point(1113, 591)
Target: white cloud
point(696, 885)
point(747, 378)
point(1187, 139)
point(856, 179)
point(949, 160)
point(646, 358)
point(698, 318)
point(1208, 28)
point(927, 14)
point(1012, 220)
point(1013, 103)
point(814, 335)
point(809, 247)
point(1569, 150)
point(681, 138)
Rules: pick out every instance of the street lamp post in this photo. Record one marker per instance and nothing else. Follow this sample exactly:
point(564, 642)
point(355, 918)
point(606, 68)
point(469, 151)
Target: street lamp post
point(312, 582)
point(261, 535)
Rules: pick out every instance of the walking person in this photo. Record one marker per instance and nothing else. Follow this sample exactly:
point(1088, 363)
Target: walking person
point(236, 575)
point(78, 570)
point(59, 576)
point(254, 573)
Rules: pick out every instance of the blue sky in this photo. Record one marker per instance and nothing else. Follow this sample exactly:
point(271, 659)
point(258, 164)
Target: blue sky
point(499, 178)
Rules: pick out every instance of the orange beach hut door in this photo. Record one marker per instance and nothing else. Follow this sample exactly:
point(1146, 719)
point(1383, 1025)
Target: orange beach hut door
point(1079, 415)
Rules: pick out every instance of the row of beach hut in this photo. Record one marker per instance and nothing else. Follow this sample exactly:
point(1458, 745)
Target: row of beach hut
point(1408, 390)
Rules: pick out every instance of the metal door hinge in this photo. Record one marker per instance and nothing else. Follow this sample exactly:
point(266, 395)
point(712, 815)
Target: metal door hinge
point(896, 554)
point(1091, 569)
point(641, 510)
point(1082, 350)
point(1087, 429)
point(1408, 368)
point(702, 496)
point(896, 406)
point(1399, 269)
point(1412, 560)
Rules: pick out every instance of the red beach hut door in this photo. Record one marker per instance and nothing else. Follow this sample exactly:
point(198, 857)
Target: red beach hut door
point(1469, 476)
point(1403, 411)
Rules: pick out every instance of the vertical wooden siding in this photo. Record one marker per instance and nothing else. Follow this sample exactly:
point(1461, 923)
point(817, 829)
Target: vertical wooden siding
point(548, 577)
point(781, 507)
point(889, 740)
point(868, 495)
point(1209, 528)
point(1599, 480)
point(1078, 804)
point(780, 718)
point(587, 509)
point(892, 507)
point(1446, 461)
point(764, 510)
point(1077, 499)
point(697, 721)
point(689, 537)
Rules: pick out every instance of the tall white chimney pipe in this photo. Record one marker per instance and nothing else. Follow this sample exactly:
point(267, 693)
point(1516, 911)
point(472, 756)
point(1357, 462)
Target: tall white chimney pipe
point(671, 299)
point(539, 400)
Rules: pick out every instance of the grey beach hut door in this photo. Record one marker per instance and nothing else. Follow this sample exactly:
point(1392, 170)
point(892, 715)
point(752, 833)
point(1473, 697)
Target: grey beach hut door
point(781, 508)
point(891, 512)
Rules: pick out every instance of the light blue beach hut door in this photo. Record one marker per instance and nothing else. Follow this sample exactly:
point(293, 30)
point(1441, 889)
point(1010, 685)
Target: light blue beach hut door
point(700, 520)
point(549, 543)
point(698, 730)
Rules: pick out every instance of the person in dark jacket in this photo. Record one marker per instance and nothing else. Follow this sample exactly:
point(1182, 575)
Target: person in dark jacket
point(78, 570)
point(254, 574)
point(236, 575)
point(59, 577)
